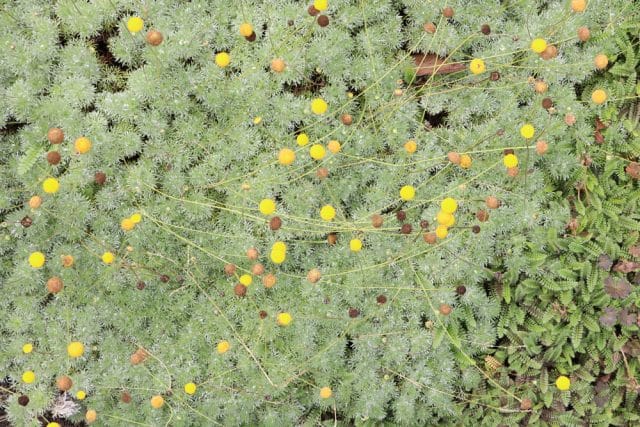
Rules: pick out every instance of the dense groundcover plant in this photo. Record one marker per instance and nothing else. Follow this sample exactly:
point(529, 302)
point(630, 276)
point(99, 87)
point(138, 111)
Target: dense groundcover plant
point(302, 213)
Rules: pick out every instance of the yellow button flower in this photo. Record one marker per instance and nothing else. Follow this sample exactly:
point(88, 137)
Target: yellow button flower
point(410, 146)
point(223, 346)
point(319, 106)
point(284, 319)
point(108, 257)
point(246, 279)
point(465, 161)
point(279, 246)
point(81, 394)
point(222, 59)
point(36, 259)
point(82, 145)
point(127, 224)
point(510, 160)
point(50, 185)
point(563, 383)
point(136, 218)
point(190, 388)
point(442, 231)
point(477, 66)
point(538, 45)
point(327, 212)
point(157, 402)
point(267, 206)
point(28, 377)
point(321, 4)
point(449, 205)
point(407, 192)
point(27, 348)
point(317, 152)
point(355, 245)
point(135, 24)
point(302, 139)
point(53, 424)
point(527, 131)
point(444, 218)
point(325, 392)
point(277, 257)
point(246, 29)
point(334, 146)
point(286, 156)
point(75, 349)
point(599, 96)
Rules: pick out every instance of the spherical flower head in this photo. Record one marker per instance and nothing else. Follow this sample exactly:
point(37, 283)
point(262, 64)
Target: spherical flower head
point(136, 218)
point(190, 388)
point(442, 231)
point(246, 279)
point(135, 24)
point(563, 383)
point(445, 219)
point(53, 424)
point(510, 160)
point(601, 61)
point(157, 402)
point(108, 257)
point(223, 346)
point(319, 106)
point(599, 96)
point(410, 146)
point(355, 245)
point(28, 377)
point(246, 29)
point(27, 348)
point(538, 45)
point(407, 192)
point(449, 205)
point(81, 394)
point(279, 246)
point(82, 145)
point(50, 185)
point(327, 212)
point(75, 349)
point(321, 4)
point(277, 257)
point(325, 392)
point(302, 139)
point(317, 152)
point(286, 156)
point(67, 261)
point(578, 6)
point(334, 146)
point(36, 259)
point(127, 224)
point(284, 319)
point(527, 131)
point(90, 416)
point(267, 206)
point(465, 161)
point(222, 59)
point(477, 66)
point(35, 202)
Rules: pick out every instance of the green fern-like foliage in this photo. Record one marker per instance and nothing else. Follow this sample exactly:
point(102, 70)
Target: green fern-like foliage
point(196, 260)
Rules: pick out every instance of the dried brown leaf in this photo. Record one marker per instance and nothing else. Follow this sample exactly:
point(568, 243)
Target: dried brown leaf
point(624, 266)
point(431, 63)
point(616, 287)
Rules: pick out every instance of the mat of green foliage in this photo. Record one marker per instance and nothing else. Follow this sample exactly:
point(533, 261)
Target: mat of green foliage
point(362, 212)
